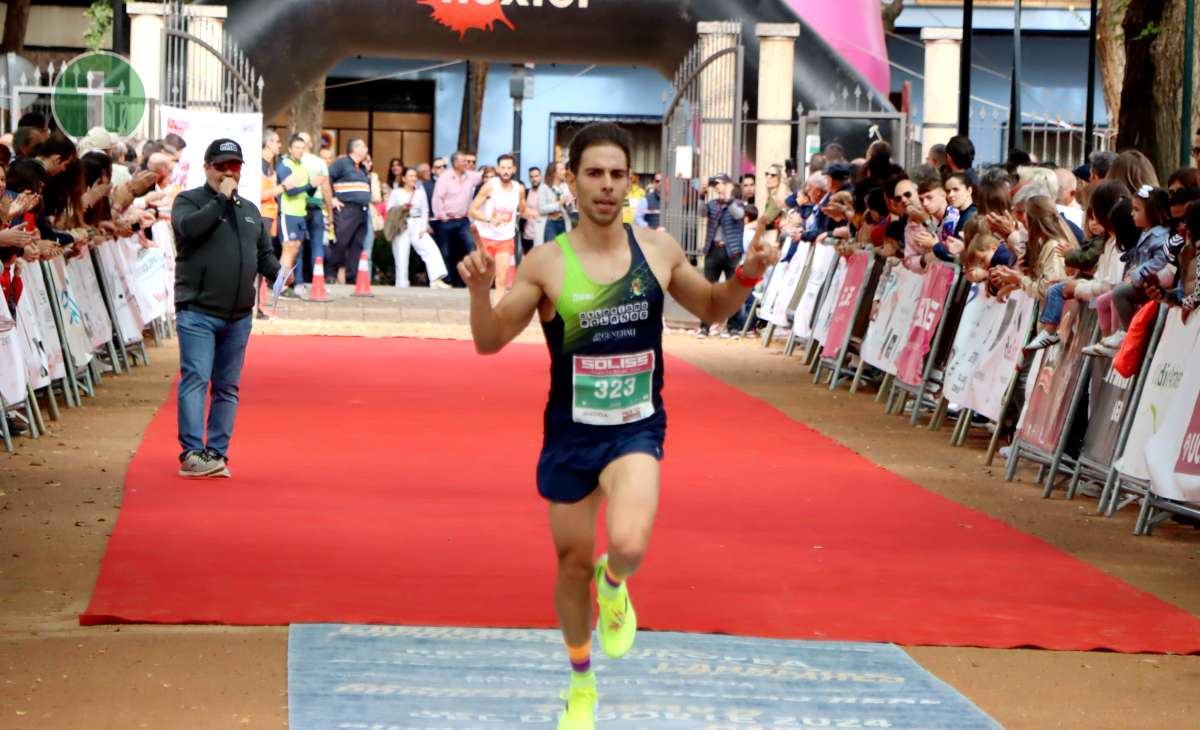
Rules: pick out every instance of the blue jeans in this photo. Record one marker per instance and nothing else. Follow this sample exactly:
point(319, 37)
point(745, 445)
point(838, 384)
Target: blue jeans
point(314, 217)
point(553, 228)
point(211, 351)
point(1052, 307)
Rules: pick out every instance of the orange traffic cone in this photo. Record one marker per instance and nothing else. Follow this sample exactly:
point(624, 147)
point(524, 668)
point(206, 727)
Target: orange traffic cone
point(362, 283)
point(316, 292)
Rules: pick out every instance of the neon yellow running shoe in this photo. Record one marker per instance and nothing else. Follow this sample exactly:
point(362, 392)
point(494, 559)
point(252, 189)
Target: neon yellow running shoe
point(580, 713)
point(618, 621)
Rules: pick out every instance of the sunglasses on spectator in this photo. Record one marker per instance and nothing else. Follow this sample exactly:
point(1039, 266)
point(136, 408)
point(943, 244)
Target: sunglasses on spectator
point(772, 174)
point(228, 166)
point(440, 166)
point(904, 196)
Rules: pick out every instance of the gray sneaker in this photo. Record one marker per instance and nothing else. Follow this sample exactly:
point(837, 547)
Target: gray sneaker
point(198, 464)
point(223, 472)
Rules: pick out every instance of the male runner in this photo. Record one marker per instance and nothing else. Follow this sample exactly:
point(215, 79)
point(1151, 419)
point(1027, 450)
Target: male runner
point(495, 212)
point(599, 294)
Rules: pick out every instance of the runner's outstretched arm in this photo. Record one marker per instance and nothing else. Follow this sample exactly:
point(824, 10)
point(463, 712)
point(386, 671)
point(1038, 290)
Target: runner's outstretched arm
point(717, 302)
point(494, 327)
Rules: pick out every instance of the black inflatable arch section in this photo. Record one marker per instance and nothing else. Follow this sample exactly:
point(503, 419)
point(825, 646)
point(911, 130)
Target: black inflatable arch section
point(293, 43)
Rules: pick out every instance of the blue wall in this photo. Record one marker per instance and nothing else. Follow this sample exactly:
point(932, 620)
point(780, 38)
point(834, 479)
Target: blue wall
point(558, 89)
point(1054, 72)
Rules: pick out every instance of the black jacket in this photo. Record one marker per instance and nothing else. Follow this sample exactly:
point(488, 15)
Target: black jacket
point(220, 247)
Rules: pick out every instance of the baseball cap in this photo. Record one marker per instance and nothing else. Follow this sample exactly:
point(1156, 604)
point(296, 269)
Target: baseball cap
point(223, 150)
point(838, 171)
point(722, 178)
point(99, 138)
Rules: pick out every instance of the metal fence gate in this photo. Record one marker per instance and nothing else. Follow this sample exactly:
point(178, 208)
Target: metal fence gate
point(702, 128)
point(204, 68)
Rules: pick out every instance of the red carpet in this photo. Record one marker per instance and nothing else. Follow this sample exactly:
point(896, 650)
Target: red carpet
point(391, 481)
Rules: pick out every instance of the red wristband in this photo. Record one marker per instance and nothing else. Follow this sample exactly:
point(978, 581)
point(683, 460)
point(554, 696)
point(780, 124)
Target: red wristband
point(740, 275)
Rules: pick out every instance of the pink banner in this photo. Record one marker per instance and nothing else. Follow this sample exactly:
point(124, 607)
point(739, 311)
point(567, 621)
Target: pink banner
point(843, 310)
point(1054, 380)
point(910, 366)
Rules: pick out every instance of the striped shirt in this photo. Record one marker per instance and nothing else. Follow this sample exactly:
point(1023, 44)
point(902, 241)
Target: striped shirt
point(350, 181)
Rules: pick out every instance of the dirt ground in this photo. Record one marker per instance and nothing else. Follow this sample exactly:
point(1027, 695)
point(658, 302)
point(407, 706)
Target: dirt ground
point(59, 498)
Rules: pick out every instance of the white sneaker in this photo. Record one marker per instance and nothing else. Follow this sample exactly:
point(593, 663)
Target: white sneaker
point(440, 284)
point(1099, 350)
point(1044, 339)
point(1005, 452)
point(1114, 340)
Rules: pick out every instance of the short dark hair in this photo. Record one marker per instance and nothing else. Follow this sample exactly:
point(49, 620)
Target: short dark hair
point(535, 167)
point(1101, 162)
point(961, 150)
point(504, 157)
point(26, 175)
point(37, 120)
point(889, 185)
point(967, 182)
point(352, 142)
point(749, 177)
point(1192, 220)
point(594, 135)
point(751, 212)
point(56, 144)
point(175, 141)
point(22, 138)
point(294, 139)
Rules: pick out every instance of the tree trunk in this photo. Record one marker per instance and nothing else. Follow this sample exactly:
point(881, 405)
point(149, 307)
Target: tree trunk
point(891, 10)
point(16, 20)
point(307, 114)
point(474, 86)
point(1152, 96)
point(1110, 52)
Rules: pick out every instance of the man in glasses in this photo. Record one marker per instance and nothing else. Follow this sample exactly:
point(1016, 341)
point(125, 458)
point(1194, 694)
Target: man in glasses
point(222, 245)
point(452, 196)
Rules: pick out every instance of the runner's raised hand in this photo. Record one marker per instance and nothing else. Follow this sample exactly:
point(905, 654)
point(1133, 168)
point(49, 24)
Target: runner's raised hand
point(759, 256)
point(478, 270)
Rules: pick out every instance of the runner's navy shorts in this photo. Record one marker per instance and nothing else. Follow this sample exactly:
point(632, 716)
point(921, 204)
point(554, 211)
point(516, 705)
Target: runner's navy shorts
point(569, 472)
point(293, 228)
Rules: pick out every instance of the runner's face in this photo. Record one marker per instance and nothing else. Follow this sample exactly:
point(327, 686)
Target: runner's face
point(602, 183)
point(505, 170)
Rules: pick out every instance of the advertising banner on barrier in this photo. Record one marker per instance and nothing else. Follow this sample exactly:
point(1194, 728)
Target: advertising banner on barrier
point(1055, 378)
point(935, 290)
point(1162, 390)
point(148, 268)
point(824, 318)
point(71, 315)
point(781, 291)
point(200, 128)
point(33, 350)
point(858, 269)
point(82, 275)
point(889, 329)
point(128, 326)
point(823, 259)
point(1173, 452)
point(35, 289)
point(12, 361)
point(1108, 401)
point(987, 351)
point(164, 238)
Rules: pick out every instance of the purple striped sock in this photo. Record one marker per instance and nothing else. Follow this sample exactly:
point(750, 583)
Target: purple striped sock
point(609, 579)
point(582, 667)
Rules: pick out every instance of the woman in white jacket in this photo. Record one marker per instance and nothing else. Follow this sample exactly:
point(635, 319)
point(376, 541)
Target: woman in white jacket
point(415, 233)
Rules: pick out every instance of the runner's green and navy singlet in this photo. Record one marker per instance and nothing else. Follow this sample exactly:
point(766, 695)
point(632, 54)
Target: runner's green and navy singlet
point(606, 364)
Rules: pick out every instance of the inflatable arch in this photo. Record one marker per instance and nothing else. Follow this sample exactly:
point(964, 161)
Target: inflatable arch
point(293, 43)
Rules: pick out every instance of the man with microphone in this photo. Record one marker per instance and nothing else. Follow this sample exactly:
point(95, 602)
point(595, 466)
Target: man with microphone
point(222, 245)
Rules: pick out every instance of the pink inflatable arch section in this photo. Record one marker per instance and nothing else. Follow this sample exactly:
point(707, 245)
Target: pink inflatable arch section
point(855, 29)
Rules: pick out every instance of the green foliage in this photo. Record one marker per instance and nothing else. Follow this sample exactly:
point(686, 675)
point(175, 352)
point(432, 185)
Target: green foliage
point(100, 19)
point(1150, 32)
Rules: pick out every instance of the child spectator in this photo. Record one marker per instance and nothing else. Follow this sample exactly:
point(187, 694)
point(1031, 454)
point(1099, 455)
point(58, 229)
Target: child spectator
point(1043, 257)
point(1144, 263)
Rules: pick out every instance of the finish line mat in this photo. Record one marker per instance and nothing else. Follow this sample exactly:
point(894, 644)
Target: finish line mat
point(418, 678)
point(392, 482)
